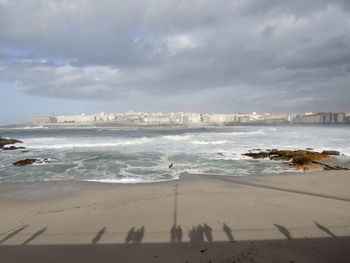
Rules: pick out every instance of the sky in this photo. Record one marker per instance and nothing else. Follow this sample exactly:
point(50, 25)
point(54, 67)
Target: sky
point(67, 57)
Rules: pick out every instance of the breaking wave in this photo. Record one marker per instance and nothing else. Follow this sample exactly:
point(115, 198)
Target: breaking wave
point(139, 155)
point(209, 142)
point(52, 143)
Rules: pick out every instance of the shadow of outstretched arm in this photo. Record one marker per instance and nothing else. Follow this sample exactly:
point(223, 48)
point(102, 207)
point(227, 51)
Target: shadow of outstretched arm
point(12, 234)
point(34, 236)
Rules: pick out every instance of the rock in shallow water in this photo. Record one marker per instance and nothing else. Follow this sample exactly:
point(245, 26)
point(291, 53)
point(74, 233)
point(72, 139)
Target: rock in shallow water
point(299, 159)
point(5, 141)
point(32, 161)
point(331, 152)
point(25, 162)
point(10, 148)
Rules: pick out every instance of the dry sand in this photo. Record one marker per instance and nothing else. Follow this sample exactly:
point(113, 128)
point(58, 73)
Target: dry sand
point(297, 217)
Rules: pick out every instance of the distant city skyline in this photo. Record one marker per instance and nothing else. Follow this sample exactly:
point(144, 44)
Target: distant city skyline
point(173, 56)
point(192, 119)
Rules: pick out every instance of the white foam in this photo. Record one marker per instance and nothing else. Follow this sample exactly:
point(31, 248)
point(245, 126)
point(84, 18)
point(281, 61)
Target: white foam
point(215, 150)
point(85, 159)
point(194, 171)
point(42, 161)
point(61, 144)
point(177, 137)
point(27, 128)
point(229, 156)
point(130, 180)
point(209, 142)
point(258, 132)
point(272, 129)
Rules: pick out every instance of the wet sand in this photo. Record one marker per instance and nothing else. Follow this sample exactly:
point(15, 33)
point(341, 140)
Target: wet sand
point(296, 217)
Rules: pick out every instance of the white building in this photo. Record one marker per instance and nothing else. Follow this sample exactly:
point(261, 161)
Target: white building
point(76, 118)
point(44, 120)
point(192, 118)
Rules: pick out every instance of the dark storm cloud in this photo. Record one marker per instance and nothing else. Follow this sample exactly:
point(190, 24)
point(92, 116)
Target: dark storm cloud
point(263, 55)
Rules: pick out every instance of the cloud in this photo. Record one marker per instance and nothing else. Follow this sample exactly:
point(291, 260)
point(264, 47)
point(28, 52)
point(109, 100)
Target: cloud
point(234, 55)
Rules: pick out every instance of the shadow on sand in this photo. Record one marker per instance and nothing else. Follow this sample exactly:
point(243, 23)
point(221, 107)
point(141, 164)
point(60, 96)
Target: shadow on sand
point(200, 234)
point(326, 230)
point(34, 236)
point(176, 234)
point(200, 248)
point(284, 231)
point(295, 250)
point(135, 236)
point(98, 236)
point(12, 234)
point(228, 232)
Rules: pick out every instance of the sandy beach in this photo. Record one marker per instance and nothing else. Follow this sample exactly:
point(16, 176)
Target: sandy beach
point(296, 217)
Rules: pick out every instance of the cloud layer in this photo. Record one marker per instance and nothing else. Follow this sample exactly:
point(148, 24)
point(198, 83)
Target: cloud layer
point(261, 55)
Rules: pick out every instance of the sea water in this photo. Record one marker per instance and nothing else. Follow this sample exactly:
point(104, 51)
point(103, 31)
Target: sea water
point(138, 155)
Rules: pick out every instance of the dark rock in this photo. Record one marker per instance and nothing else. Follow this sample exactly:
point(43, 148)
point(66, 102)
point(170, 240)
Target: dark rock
point(329, 167)
point(330, 153)
point(25, 162)
point(259, 155)
point(12, 148)
point(4, 141)
point(299, 159)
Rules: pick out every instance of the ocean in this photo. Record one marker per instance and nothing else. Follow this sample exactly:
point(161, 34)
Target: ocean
point(143, 155)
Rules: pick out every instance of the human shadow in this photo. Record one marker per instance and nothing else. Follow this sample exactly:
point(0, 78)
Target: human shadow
point(130, 236)
point(135, 236)
point(323, 249)
point(179, 234)
point(139, 235)
point(98, 236)
point(208, 232)
point(176, 234)
point(196, 234)
point(200, 234)
point(8, 236)
point(34, 236)
point(173, 234)
point(324, 229)
point(228, 232)
point(284, 231)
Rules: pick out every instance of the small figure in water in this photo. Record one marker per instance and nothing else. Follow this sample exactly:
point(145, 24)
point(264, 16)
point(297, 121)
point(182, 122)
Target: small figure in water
point(170, 166)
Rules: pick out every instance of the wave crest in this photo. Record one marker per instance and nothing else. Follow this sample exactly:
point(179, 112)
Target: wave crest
point(65, 144)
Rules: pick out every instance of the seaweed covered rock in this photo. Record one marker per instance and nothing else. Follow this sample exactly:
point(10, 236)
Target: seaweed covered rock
point(32, 161)
point(258, 155)
point(10, 148)
point(25, 162)
point(330, 153)
point(289, 155)
point(304, 163)
point(299, 159)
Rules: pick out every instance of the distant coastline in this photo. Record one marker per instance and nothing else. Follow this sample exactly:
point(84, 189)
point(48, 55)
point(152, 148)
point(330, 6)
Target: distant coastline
point(142, 119)
point(128, 125)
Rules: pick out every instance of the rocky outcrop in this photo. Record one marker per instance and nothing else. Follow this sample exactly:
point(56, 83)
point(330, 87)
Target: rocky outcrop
point(258, 155)
point(330, 152)
point(5, 141)
point(31, 161)
point(300, 159)
point(25, 162)
point(10, 148)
